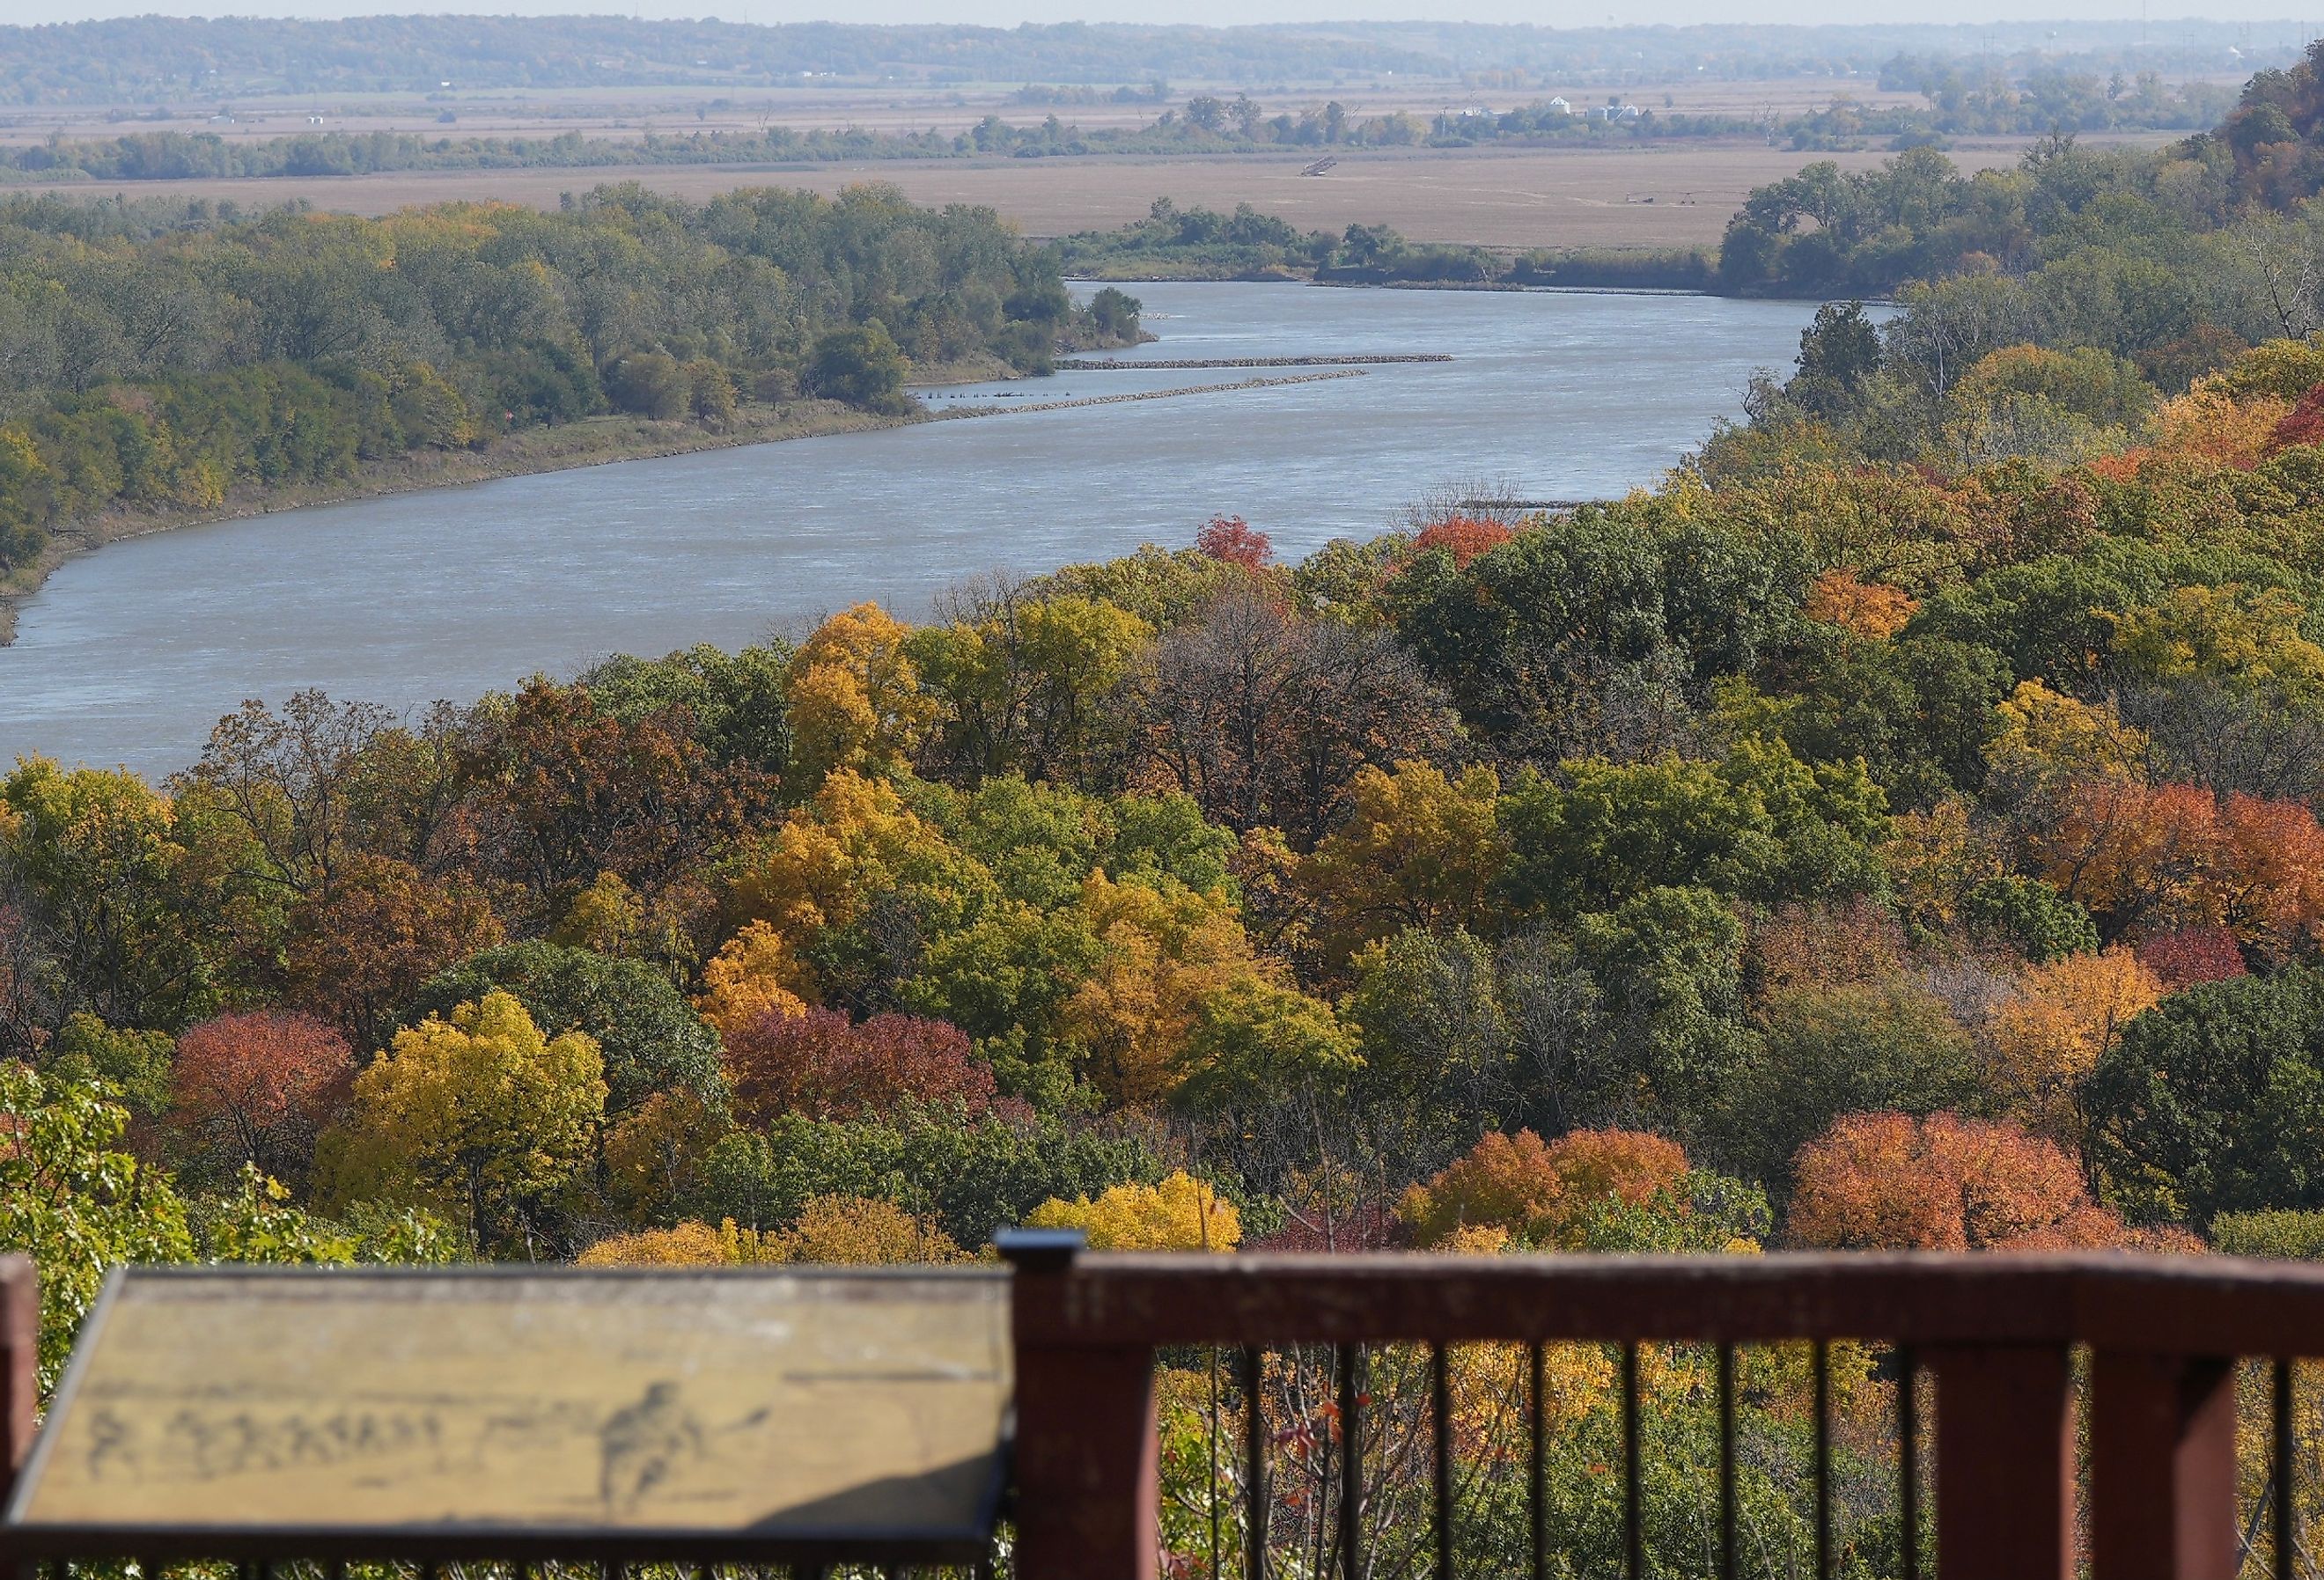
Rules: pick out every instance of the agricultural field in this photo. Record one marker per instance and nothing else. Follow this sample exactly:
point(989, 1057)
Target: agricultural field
point(1668, 196)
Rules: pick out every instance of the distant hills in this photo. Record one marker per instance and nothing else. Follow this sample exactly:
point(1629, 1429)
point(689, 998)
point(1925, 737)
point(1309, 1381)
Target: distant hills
point(142, 60)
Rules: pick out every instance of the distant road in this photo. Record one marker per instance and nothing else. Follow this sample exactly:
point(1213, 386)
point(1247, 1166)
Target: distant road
point(1522, 198)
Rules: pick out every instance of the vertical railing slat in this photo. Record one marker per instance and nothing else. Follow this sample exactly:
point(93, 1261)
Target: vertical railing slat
point(1256, 1494)
point(1352, 1462)
point(1634, 1534)
point(2006, 1453)
point(2287, 1506)
point(1440, 1411)
point(1822, 1361)
point(1908, 1457)
point(1537, 1480)
point(1726, 1462)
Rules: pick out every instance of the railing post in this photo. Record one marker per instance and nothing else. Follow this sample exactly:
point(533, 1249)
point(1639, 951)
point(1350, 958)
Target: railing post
point(2162, 1467)
point(1088, 1502)
point(20, 1366)
point(2004, 1461)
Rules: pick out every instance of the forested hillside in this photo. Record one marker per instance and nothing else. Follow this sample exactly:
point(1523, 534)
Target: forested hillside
point(156, 360)
point(1819, 850)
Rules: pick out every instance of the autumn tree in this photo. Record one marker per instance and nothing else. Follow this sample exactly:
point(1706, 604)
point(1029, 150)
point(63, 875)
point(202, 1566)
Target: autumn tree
point(1233, 541)
point(258, 1087)
point(479, 1113)
point(854, 696)
point(111, 894)
point(1180, 1213)
point(820, 1064)
point(560, 790)
point(360, 947)
point(1541, 1192)
point(646, 1036)
point(2064, 1017)
point(1025, 684)
point(297, 780)
point(755, 975)
point(1892, 1182)
point(1417, 848)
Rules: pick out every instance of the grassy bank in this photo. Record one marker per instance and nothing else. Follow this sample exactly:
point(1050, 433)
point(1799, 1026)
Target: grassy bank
point(591, 443)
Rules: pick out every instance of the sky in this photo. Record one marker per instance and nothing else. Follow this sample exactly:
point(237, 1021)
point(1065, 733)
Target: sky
point(1009, 12)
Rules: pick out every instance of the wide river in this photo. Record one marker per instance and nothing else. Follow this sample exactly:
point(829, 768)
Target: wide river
point(128, 656)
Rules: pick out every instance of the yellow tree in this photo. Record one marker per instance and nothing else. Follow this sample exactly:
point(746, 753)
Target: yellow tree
point(856, 838)
point(1181, 1214)
point(756, 973)
point(1417, 850)
point(854, 696)
point(1163, 952)
point(2065, 1017)
point(480, 1113)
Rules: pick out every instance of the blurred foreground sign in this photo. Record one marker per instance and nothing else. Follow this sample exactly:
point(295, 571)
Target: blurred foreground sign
point(681, 1413)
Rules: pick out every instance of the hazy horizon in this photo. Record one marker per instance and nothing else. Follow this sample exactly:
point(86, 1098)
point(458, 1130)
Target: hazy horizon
point(1211, 13)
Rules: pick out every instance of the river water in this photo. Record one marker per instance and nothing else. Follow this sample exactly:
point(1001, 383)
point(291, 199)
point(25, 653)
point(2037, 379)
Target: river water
point(128, 655)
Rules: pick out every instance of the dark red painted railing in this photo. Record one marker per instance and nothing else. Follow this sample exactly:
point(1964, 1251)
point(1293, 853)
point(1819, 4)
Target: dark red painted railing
point(1998, 1334)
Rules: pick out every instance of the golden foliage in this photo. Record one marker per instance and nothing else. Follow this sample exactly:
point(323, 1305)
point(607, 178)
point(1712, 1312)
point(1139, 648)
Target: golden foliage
point(2207, 421)
point(1164, 953)
point(478, 1112)
point(836, 1231)
point(854, 695)
point(605, 917)
point(756, 973)
point(1540, 1193)
point(1417, 850)
point(1868, 609)
point(2065, 1017)
point(854, 1231)
point(1181, 1214)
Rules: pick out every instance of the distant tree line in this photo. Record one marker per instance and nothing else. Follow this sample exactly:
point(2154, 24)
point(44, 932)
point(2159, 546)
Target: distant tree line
point(135, 60)
point(1173, 243)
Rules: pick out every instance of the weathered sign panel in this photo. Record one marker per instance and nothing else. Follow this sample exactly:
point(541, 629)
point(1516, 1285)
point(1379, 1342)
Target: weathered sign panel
point(724, 1411)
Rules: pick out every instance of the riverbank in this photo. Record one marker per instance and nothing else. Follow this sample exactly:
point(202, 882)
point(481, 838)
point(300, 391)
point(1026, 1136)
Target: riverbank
point(593, 441)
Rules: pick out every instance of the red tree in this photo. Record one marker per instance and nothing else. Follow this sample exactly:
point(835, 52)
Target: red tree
point(822, 1065)
point(2304, 425)
point(258, 1088)
point(1892, 1182)
point(1462, 537)
point(2192, 954)
point(1236, 541)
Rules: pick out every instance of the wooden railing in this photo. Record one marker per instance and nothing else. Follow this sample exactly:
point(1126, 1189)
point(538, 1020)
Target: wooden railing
point(1999, 1335)
point(2013, 1350)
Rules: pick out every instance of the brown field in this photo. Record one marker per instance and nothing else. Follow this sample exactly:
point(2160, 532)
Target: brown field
point(602, 113)
point(1526, 197)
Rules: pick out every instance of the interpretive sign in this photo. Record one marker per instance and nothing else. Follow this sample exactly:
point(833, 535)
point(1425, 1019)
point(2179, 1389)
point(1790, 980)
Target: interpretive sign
point(682, 1413)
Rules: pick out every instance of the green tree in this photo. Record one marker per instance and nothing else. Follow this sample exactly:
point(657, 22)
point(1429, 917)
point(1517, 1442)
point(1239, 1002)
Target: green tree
point(2213, 1101)
point(1672, 1041)
point(861, 366)
point(76, 1203)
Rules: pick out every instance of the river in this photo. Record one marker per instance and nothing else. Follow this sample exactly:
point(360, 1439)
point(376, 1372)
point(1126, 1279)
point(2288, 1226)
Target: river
point(128, 655)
